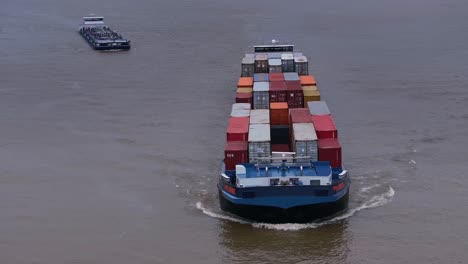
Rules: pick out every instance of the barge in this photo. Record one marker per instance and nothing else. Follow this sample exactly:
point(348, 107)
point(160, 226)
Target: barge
point(101, 37)
point(282, 159)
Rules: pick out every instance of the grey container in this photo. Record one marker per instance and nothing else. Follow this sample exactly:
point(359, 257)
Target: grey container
point(261, 95)
point(259, 141)
point(240, 110)
point(301, 65)
point(298, 54)
point(240, 113)
point(274, 55)
point(241, 106)
point(291, 76)
point(261, 63)
point(260, 116)
point(304, 141)
point(248, 67)
point(318, 108)
point(275, 65)
point(287, 62)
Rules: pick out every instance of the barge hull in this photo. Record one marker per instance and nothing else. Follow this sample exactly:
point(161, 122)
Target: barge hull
point(297, 214)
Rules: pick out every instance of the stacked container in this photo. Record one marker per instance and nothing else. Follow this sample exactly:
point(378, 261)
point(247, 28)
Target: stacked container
point(279, 114)
point(279, 119)
point(325, 126)
point(261, 63)
point(329, 149)
point(307, 80)
point(301, 65)
point(311, 96)
point(259, 141)
point(238, 129)
point(318, 108)
point(304, 141)
point(277, 87)
point(287, 62)
point(295, 95)
point(276, 77)
point(300, 115)
point(240, 110)
point(278, 92)
point(275, 65)
point(260, 116)
point(245, 82)
point(244, 98)
point(235, 152)
point(261, 95)
point(261, 77)
point(291, 76)
point(248, 67)
point(236, 149)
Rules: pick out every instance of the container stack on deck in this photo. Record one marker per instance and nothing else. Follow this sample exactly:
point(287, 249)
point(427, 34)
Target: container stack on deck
point(278, 108)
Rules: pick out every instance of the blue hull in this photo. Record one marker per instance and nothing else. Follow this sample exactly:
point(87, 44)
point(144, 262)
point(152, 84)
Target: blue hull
point(280, 205)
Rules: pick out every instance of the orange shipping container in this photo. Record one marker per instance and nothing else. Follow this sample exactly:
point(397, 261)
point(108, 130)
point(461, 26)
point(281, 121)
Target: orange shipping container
point(307, 80)
point(245, 82)
point(279, 114)
point(311, 96)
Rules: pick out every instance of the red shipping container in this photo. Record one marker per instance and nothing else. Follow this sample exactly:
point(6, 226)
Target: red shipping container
point(244, 98)
point(276, 77)
point(325, 126)
point(300, 115)
point(295, 94)
point(280, 147)
point(279, 114)
point(238, 129)
point(235, 152)
point(329, 149)
point(278, 92)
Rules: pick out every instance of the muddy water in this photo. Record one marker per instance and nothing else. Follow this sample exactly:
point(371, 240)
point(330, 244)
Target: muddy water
point(112, 157)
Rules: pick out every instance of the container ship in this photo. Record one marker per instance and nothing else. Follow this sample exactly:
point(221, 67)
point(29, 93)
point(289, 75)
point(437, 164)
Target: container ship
point(101, 37)
point(282, 159)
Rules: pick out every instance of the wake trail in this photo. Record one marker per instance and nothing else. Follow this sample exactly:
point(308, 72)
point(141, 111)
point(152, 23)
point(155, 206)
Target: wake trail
point(375, 201)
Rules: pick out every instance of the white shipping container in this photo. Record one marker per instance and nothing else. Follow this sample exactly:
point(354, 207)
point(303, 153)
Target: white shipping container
point(275, 65)
point(305, 141)
point(240, 113)
point(261, 95)
point(259, 141)
point(241, 106)
point(301, 65)
point(260, 116)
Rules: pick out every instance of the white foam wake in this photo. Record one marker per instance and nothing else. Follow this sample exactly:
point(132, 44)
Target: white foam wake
point(375, 201)
point(219, 216)
point(368, 188)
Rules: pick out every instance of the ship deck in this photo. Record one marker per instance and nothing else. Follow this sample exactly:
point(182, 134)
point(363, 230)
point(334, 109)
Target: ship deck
point(316, 169)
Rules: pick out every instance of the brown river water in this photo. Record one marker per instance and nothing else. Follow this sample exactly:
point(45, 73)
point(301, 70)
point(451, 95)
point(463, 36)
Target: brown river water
point(113, 157)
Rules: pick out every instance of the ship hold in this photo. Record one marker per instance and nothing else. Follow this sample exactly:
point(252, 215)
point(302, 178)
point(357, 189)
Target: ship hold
point(283, 159)
point(101, 37)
